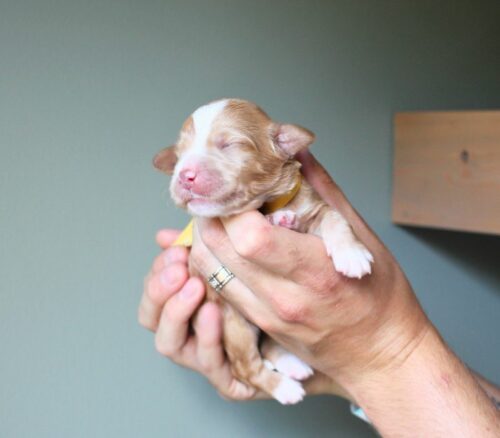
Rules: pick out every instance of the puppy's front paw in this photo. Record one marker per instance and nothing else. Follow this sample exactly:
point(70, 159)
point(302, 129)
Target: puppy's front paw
point(283, 218)
point(289, 391)
point(351, 259)
point(291, 366)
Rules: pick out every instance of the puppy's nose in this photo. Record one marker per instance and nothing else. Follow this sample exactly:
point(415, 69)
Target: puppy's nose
point(187, 178)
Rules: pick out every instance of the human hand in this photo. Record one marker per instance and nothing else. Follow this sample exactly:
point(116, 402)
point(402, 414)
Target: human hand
point(171, 302)
point(369, 335)
point(286, 284)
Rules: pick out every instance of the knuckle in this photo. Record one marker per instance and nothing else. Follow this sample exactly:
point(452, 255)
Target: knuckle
point(333, 283)
point(253, 241)
point(206, 368)
point(164, 348)
point(265, 325)
point(325, 283)
point(290, 312)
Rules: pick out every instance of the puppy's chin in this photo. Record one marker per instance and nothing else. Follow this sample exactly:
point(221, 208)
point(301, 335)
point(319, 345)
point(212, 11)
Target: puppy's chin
point(205, 208)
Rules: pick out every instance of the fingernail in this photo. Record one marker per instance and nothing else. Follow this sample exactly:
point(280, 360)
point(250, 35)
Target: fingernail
point(187, 292)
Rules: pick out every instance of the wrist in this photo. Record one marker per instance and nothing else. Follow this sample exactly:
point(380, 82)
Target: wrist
point(382, 382)
point(381, 343)
point(428, 392)
point(321, 384)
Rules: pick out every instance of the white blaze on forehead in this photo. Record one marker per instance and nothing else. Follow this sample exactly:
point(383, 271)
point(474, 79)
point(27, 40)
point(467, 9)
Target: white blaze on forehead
point(203, 119)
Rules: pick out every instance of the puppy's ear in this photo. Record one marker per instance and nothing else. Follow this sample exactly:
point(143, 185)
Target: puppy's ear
point(165, 160)
point(292, 138)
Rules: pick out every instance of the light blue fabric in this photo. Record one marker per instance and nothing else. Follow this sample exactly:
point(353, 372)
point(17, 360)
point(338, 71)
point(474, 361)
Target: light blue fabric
point(358, 412)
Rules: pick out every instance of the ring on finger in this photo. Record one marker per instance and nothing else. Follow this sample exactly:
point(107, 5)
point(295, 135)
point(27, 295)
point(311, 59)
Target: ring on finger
point(220, 278)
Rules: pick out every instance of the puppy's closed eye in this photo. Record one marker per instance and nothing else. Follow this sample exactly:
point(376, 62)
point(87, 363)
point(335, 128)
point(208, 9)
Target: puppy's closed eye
point(226, 145)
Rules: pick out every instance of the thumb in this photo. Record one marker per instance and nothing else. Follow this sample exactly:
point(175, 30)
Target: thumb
point(320, 180)
point(327, 188)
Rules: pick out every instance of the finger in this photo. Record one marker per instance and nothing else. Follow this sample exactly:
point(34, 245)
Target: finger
point(210, 352)
point(173, 329)
point(211, 357)
point(163, 284)
point(206, 264)
point(167, 236)
point(150, 308)
point(171, 255)
point(158, 287)
point(255, 250)
point(208, 329)
point(320, 180)
point(148, 312)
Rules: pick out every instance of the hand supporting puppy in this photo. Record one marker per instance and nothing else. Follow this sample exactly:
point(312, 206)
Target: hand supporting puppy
point(285, 285)
point(370, 335)
point(171, 299)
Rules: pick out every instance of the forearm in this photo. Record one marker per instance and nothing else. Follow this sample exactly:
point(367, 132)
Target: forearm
point(431, 394)
point(491, 389)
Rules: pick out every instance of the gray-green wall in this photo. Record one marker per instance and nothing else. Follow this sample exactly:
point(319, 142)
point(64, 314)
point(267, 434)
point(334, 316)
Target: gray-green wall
point(90, 90)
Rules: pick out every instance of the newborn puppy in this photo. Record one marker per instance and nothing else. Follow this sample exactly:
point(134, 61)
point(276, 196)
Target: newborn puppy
point(231, 157)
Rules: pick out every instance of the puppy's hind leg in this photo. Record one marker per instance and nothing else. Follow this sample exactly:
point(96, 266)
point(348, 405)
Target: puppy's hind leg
point(247, 364)
point(283, 361)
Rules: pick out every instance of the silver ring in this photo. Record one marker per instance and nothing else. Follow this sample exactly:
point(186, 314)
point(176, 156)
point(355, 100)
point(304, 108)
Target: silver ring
point(220, 278)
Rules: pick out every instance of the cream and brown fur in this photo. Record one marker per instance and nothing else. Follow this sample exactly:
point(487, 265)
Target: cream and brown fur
point(232, 157)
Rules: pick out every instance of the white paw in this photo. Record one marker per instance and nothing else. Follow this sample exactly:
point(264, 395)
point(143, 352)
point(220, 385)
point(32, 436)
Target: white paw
point(283, 218)
point(352, 260)
point(289, 391)
point(291, 366)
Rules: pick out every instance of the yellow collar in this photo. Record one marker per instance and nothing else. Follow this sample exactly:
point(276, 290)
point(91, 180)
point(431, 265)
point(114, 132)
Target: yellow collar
point(186, 236)
point(282, 200)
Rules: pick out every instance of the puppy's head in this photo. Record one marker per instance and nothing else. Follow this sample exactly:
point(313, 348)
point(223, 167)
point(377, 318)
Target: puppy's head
point(231, 157)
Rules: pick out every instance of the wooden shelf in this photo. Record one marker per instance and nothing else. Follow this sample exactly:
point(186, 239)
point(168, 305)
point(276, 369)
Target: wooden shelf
point(447, 170)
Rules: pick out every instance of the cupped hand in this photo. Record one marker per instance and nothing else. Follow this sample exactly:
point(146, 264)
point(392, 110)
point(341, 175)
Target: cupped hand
point(369, 337)
point(188, 331)
point(286, 284)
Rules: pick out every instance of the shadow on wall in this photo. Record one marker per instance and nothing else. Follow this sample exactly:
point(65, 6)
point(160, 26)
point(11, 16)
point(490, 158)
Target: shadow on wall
point(477, 253)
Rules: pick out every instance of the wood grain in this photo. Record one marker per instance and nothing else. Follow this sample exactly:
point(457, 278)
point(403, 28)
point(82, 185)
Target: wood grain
point(447, 170)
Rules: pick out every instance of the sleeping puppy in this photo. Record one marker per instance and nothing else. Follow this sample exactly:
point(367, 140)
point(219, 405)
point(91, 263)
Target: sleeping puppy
point(230, 158)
